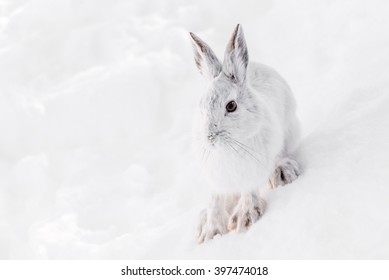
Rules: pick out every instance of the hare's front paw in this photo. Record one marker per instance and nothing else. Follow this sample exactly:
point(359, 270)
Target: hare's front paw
point(211, 224)
point(287, 170)
point(248, 210)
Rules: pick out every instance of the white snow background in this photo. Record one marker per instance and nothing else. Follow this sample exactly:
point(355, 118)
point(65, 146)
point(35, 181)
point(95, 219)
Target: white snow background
point(96, 105)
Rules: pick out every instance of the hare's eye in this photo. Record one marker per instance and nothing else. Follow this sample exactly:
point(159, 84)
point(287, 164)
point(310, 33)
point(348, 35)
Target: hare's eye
point(231, 106)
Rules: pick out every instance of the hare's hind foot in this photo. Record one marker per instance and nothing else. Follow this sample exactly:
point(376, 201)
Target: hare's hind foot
point(287, 170)
point(210, 225)
point(213, 220)
point(249, 209)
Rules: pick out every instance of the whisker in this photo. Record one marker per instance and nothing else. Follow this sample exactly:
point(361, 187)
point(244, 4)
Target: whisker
point(205, 155)
point(243, 147)
point(232, 148)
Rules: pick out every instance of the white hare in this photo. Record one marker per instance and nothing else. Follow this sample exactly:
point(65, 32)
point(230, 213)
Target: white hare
point(245, 132)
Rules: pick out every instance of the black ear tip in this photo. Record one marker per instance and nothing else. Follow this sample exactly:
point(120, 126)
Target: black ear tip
point(237, 30)
point(192, 35)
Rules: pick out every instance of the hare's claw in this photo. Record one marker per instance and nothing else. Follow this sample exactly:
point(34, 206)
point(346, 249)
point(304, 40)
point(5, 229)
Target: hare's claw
point(248, 210)
point(287, 170)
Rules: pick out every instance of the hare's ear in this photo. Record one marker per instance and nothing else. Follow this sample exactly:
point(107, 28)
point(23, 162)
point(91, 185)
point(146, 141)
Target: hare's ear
point(236, 57)
point(205, 58)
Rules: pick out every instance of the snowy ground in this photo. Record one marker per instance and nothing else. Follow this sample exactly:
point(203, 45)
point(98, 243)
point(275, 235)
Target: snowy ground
point(96, 102)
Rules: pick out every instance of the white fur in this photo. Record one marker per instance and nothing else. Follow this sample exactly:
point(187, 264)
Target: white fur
point(239, 150)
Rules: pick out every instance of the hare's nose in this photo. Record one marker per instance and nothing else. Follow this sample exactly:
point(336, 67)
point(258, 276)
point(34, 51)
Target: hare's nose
point(212, 137)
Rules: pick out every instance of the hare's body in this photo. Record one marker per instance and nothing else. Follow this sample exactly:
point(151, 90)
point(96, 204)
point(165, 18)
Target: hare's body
point(245, 130)
point(245, 161)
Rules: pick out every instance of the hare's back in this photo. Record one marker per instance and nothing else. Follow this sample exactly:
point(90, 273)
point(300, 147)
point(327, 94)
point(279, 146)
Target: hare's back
point(273, 90)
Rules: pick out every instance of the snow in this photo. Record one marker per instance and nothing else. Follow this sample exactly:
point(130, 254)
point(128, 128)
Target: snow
point(96, 106)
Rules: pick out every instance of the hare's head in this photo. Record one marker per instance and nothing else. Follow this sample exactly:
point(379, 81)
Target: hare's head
point(228, 110)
